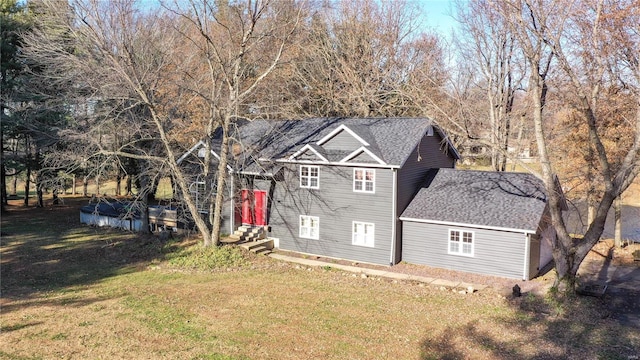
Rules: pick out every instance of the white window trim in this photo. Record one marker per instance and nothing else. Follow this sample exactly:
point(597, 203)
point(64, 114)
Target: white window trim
point(360, 151)
point(309, 218)
point(309, 177)
point(337, 130)
point(354, 234)
point(201, 198)
point(304, 149)
point(364, 181)
point(460, 243)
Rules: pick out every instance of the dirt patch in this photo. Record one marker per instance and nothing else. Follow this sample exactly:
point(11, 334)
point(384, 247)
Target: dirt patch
point(623, 256)
point(632, 195)
point(502, 285)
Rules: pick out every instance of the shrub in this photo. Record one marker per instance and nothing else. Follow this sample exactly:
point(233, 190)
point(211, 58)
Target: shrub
point(199, 257)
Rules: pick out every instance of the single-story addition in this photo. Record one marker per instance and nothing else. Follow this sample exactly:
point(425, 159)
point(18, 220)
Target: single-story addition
point(492, 223)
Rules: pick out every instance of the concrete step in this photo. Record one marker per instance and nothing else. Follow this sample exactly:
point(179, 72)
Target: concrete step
point(232, 239)
point(254, 237)
point(258, 247)
point(260, 250)
point(249, 234)
point(245, 228)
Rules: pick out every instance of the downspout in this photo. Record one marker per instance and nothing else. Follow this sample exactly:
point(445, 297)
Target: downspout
point(232, 218)
point(527, 262)
point(394, 216)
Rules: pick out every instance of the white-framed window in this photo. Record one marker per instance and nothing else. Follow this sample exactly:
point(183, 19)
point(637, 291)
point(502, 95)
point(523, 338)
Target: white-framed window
point(202, 194)
point(309, 227)
point(461, 242)
point(364, 180)
point(363, 234)
point(309, 176)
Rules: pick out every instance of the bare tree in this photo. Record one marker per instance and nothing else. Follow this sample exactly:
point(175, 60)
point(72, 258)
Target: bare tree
point(360, 58)
point(133, 65)
point(584, 42)
point(493, 54)
point(240, 46)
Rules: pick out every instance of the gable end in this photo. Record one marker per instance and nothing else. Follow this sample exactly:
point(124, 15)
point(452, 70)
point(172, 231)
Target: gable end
point(340, 129)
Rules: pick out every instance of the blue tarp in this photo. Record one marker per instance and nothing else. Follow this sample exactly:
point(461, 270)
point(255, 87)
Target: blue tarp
point(116, 209)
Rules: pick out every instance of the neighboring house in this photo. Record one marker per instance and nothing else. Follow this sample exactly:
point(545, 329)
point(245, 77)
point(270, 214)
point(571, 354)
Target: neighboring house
point(493, 223)
point(336, 187)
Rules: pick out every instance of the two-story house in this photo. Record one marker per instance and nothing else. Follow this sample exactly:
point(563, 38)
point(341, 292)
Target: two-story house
point(337, 187)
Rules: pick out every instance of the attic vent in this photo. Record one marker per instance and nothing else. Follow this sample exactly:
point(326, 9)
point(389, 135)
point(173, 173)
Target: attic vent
point(201, 152)
point(430, 131)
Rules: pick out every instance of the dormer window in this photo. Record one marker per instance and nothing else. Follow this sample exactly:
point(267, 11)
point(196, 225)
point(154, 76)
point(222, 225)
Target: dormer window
point(364, 180)
point(309, 177)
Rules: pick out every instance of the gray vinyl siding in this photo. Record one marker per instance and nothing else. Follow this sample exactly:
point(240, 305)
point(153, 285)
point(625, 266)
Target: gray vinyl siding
point(193, 167)
point(226, 224)
point(308, 155)
point(341, 141)
point(364, 158)
point(498, 253)
point(427, 155)
point(226, 221)
point(336, 206)
point(534, 256)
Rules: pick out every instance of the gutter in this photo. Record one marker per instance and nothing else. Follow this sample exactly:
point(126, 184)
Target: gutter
point(451, 223)
point(527, 262)
point(360, 165)
point(394, 216)
point(232, 218)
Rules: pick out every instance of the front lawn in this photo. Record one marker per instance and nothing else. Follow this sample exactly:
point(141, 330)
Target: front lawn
point(75, 292)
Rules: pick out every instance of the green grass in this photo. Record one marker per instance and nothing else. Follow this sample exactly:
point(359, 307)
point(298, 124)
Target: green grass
point(164, 190)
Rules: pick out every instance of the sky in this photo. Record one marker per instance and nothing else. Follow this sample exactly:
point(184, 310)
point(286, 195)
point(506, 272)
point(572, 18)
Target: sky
point(438, 15)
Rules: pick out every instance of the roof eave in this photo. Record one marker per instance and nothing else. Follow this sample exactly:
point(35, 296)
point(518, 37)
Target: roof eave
point(452, 223)
point(333, 163)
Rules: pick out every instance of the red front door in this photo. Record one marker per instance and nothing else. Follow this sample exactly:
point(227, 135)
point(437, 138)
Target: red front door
point(260, 208)
point(254, 207)
point(247, 215)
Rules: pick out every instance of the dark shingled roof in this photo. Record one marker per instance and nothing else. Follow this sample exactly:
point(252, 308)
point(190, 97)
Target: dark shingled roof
point(391, 139)
point(482, 198)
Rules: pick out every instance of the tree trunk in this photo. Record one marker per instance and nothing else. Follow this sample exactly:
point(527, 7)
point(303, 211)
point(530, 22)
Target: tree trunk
point(27, 186)
point(14, 185)
point(153, 188)
point(518, 142)
point(222, 176)
point(143, 197)
point(4, 200)
point(85, 186)
point(73, 185)
point(617, 208)
point(129, 186)
point(174, 187)
point(3, 186)
point(118, 184)
point(39, 193)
